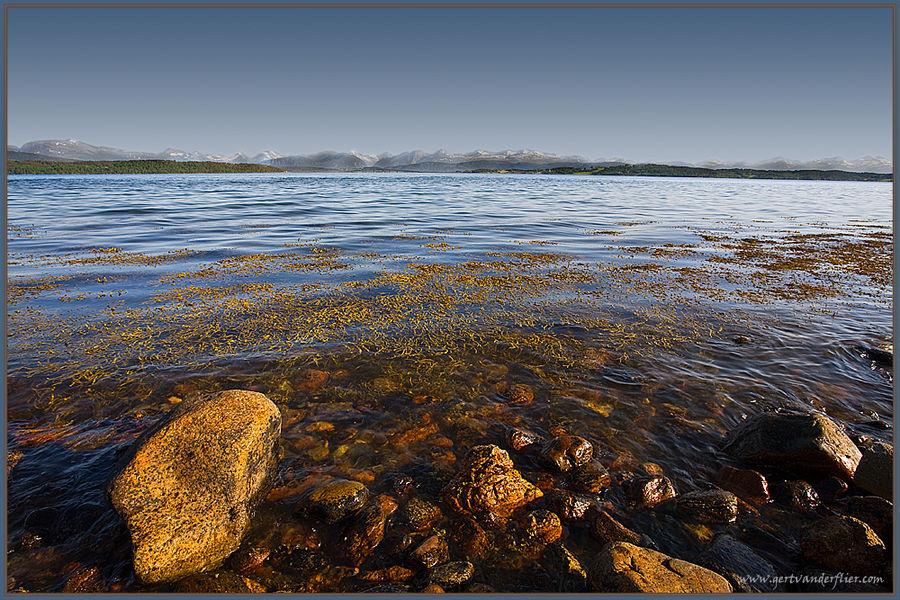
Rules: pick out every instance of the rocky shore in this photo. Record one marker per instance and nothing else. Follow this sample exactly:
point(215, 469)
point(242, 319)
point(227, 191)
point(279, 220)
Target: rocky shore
point(799, 504)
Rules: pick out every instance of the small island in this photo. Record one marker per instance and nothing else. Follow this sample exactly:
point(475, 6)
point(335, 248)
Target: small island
point(84, 167)
point(653, 170)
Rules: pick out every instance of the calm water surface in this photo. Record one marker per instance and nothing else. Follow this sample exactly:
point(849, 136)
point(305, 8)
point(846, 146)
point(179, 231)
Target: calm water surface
point(648, 315)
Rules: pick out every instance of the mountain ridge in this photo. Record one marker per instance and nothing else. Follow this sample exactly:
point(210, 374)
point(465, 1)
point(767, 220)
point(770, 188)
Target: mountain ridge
point(419, 160)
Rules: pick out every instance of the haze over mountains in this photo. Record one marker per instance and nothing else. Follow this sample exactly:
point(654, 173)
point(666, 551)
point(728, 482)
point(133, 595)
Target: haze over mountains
point(417, 160)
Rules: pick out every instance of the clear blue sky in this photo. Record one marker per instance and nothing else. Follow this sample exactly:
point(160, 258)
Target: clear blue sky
point(643, 83)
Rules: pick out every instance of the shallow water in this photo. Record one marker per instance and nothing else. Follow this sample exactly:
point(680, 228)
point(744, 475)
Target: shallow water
point(646, 315)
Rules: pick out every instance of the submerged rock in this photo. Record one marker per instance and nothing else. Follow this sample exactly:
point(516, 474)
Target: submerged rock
point(876, 470)
point(517, 438)
point(748, 485)
point(568, 574)
point(567, 452)
point(744, 569)
point(367, 529)
point(334, 500)
point(420, 514)
point(541, 527)
point(606, 529)
point(810, 443)
point(189, 483)
point(843, 544)
point(469, 536)
point(590, 477)
point(489, 483)
point(874, 511)
point(831, 488)
point(449, 575)
point(707, 506)
point(797, 495)
point(625, 568)
point(645, 492)
point(570, 505)
point(432, 552)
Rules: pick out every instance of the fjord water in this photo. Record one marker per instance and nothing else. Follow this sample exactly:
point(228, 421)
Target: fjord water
point(647, 315)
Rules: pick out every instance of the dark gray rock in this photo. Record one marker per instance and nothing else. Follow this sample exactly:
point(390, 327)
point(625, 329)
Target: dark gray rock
point(810, 443)
point(707, 506)
point(876, 469)
point(843, 544)
point(745, 570)
point(874, 511)
point(568, 574)
point(452, 574)
point(796, 495)
point(591, 477)
point(567, 452)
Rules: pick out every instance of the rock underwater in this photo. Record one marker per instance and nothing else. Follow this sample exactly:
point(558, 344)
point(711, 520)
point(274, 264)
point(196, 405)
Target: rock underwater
point(186, 487)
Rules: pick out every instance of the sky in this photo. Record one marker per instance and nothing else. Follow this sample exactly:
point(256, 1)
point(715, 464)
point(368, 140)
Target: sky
point(642, 83)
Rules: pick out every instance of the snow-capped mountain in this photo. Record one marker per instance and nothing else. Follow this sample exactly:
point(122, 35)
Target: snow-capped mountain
point(419, 160)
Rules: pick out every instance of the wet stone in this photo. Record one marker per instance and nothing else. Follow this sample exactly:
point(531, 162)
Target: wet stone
point(222, 582)
point(334, 500)
point(590, 477)
point(310, 380)
point(569, 576)
point(569, 505)
point(430, 553)
point(189, 484)
point(394, 573)
point(86, 580)
point(452, 574)
point(518, 394)
point(875, 471)
point(748, 485)
point(874, 511)
point(805, 444)
point(645, 492)
point(797, 495)
point(606, 529)
point(489, 484)
point(388, 588)
point(469, 536)
point(567, 452)
point(367, 529)
point(420, 514)
point(843, 544)
point(517, 439)
point(625, 568)
point(433, 588)
point(707, 506)
point(249, 557)
point(541, 527)
point(831, 488)
point(745, 570)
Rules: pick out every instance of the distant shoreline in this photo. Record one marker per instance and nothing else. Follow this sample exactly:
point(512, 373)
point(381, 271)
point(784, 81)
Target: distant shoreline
point(127, 167)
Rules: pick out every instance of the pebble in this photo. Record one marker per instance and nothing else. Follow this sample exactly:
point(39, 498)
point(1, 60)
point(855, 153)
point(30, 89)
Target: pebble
point(420, 514)
point(645, 492)
point(452, 574)
point(590, 477)
point(367, 529)
point(430, 553)
point(335, 500)
point(567, 452)
point(570, 505)
point(310, 380)
point(541, 527)
point(707, 506)
point(517, 438)
point(750, 486)
point(796, 495)
point(469, 535)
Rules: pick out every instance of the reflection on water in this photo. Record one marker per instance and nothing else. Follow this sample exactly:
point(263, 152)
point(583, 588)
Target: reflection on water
point(395, 319)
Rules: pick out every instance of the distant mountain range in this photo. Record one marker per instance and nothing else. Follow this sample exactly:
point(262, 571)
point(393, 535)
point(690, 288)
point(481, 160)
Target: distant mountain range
point(417, 160)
